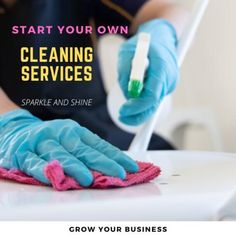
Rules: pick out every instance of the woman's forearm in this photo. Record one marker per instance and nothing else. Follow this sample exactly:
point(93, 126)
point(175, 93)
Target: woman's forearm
point(5, 103)
point(176, 14)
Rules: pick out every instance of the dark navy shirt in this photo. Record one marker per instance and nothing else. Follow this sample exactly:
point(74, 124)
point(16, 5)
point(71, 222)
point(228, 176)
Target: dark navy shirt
point(64, 12)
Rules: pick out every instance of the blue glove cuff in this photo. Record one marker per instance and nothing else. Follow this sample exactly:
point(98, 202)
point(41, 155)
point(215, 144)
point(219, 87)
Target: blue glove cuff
point(160, 27)
point(16, 115)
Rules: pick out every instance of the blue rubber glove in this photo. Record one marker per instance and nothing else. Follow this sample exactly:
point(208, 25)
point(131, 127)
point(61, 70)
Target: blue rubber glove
point(29, 144)
point(161, 76)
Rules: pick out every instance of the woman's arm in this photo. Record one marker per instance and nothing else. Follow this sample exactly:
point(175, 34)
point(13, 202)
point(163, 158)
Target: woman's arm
point(176, 14)
point(164, 21)
point(5, 103)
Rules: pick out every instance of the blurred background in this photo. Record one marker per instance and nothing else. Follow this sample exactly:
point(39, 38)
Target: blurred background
point(203, 115)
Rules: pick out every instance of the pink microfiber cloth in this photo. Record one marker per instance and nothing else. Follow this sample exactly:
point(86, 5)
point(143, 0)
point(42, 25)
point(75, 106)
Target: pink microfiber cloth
point(61, 182)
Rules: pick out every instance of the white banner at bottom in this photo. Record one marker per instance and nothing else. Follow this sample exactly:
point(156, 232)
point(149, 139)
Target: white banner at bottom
point(29, 228)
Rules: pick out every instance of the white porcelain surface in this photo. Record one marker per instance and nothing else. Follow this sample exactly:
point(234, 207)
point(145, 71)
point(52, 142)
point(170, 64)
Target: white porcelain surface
point(192, 187)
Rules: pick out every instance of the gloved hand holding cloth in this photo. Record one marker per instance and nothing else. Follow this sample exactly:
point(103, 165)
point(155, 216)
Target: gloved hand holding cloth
point(161, 76)
point(29, 144)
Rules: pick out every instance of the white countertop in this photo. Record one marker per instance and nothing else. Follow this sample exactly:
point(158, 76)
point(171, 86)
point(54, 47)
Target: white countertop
point(191, 187)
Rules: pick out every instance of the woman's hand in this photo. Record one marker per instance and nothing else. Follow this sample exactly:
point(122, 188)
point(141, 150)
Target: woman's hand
point(29, 144)
point(161, 76)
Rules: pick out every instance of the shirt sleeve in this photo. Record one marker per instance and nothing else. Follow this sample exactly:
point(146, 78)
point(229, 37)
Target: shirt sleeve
point(116, 12)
